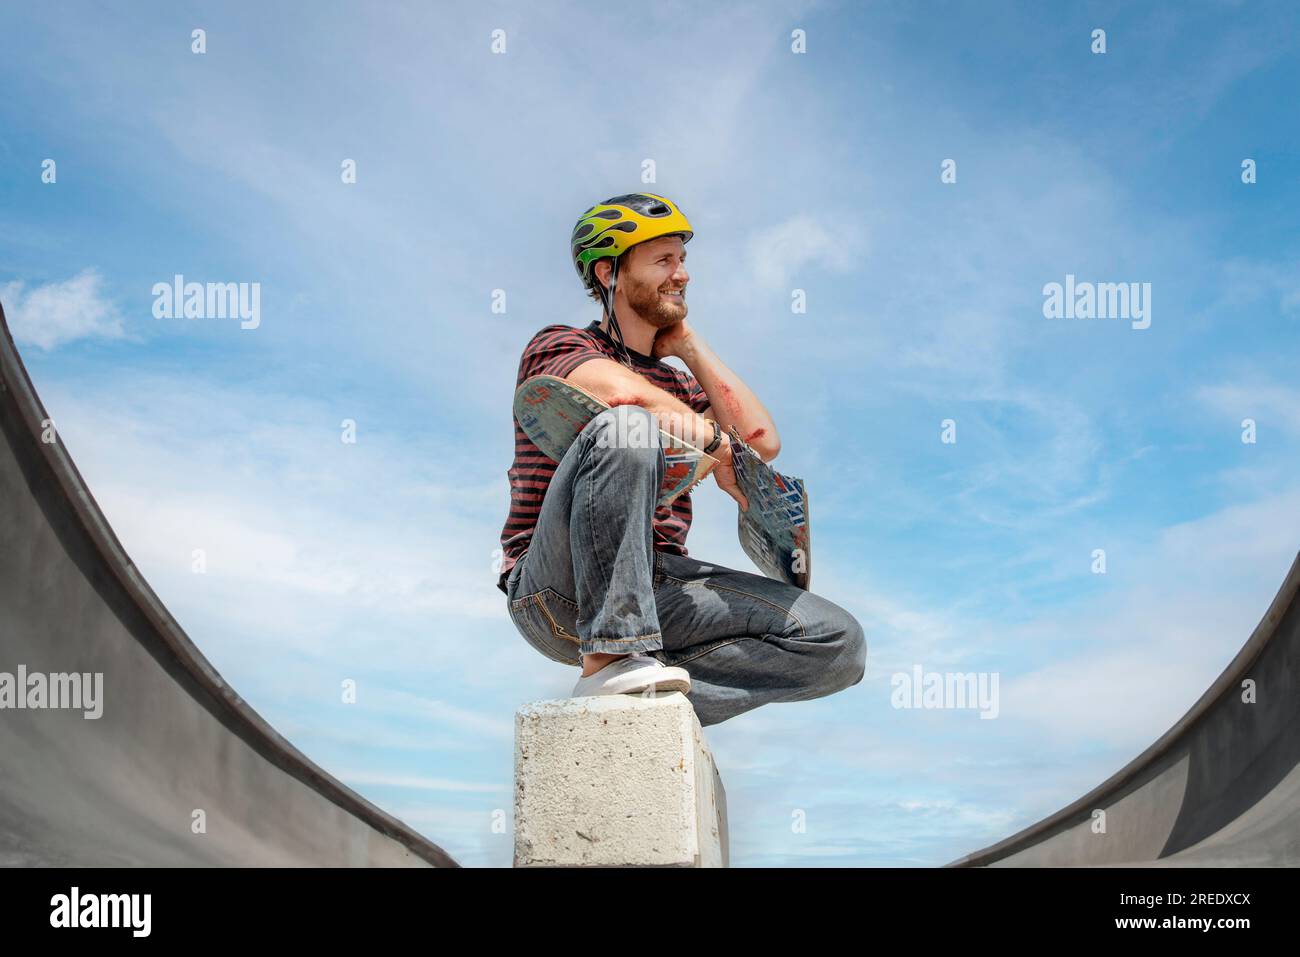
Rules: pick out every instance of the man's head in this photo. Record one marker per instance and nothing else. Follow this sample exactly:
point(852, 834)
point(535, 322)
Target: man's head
point(616, 230)
point(652, 280)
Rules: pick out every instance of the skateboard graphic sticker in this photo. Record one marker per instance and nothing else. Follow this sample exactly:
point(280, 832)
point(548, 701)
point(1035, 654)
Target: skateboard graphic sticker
point(552, 411)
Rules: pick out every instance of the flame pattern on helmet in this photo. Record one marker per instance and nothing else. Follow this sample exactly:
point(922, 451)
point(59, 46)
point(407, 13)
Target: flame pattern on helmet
point(611, 228)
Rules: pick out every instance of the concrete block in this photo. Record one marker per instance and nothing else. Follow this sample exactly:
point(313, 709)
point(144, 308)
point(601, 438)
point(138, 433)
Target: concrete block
point(616, 781)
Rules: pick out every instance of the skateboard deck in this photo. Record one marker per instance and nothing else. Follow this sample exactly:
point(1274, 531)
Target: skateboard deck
point(552, 412)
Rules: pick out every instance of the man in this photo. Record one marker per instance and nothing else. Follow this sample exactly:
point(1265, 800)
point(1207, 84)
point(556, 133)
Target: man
point(597, 575)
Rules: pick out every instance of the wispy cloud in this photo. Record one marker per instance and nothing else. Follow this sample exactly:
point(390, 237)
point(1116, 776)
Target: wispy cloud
point(407, 782)
point(784, 250)
point(1269, 404)
point(57, 313)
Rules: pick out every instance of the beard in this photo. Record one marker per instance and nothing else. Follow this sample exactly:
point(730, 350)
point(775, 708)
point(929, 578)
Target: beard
point(646, 302)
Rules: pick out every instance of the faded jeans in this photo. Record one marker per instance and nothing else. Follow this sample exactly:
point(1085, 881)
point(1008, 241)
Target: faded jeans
point(591, 582)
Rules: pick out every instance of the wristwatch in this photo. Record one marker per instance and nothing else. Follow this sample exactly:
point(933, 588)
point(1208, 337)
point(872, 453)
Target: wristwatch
point(717, 437)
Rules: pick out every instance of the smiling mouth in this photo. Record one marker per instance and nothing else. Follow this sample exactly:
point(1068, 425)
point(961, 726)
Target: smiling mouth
point(679, 294)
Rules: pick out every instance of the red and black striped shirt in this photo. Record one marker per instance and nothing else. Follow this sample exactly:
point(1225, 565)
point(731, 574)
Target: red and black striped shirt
point(557, 350)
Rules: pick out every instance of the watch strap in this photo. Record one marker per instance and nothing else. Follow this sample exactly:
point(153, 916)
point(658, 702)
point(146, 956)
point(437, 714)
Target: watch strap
point(717, 437)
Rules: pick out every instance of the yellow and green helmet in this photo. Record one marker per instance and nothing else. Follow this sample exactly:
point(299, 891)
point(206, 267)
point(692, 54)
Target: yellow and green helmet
point(611, 228)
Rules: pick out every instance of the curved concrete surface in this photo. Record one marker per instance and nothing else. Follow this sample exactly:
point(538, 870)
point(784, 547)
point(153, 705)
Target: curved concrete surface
point(173, 739)
point(1220, 788)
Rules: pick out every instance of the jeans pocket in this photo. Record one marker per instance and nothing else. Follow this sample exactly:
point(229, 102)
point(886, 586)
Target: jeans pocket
point(548, 622)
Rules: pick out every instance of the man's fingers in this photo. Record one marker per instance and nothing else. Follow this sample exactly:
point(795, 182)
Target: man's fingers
point(729, 485)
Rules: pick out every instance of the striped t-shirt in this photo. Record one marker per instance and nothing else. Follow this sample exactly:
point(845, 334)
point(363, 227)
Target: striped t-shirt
point(557, 350)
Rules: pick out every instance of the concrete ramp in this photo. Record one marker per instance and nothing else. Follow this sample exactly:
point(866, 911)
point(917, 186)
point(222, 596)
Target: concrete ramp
point(177, 770)
point(1220, 788)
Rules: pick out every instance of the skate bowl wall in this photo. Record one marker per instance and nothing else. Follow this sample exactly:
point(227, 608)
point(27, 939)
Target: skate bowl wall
point(177, 770)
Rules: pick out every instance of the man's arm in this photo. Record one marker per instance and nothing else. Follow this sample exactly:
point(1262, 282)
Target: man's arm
point(732, 402)
point(615, 384)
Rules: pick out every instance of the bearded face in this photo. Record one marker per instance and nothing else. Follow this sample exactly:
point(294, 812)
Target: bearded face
point(655, 285)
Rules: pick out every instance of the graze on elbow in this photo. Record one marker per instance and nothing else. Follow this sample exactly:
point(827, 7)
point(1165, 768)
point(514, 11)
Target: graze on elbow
point(625, 398)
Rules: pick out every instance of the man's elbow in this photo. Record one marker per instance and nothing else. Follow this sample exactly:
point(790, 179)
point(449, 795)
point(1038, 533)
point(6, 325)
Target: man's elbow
point(764, 442)
point(767, 450)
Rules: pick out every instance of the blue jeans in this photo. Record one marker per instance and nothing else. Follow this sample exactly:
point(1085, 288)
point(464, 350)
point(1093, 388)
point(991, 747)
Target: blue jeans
point(590, 582)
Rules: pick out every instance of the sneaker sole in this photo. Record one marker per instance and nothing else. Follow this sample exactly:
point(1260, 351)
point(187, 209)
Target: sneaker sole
point(667, 685)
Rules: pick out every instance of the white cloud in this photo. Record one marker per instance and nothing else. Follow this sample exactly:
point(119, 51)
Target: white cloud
point(359, 779)
point(1184, 607)
point(60, 312)
point(950, 811)
point(470, 721)
point(1269, 405)
point(1251, 283)
point(280, 506)
point(778, 254)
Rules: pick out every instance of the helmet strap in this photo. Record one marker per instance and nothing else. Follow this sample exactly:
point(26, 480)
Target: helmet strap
point(608, 296)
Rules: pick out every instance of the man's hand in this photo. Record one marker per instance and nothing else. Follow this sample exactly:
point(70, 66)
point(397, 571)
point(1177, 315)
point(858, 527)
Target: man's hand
point(673, 340)
point(725, 473)
point(732, 402)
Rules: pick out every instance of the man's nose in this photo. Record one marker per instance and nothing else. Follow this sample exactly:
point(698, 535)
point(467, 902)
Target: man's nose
point(681, 275)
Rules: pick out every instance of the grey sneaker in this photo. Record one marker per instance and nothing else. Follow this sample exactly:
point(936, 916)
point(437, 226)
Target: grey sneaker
point(633, 674)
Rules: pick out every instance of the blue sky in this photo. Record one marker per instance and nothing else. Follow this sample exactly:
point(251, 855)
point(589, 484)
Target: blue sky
point(819, 171)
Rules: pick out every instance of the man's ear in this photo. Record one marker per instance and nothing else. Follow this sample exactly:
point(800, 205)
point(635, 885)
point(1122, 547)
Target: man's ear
point(602, 275)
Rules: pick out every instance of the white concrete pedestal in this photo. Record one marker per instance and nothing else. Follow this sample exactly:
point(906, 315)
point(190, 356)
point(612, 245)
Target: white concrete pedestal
point(616, 781)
